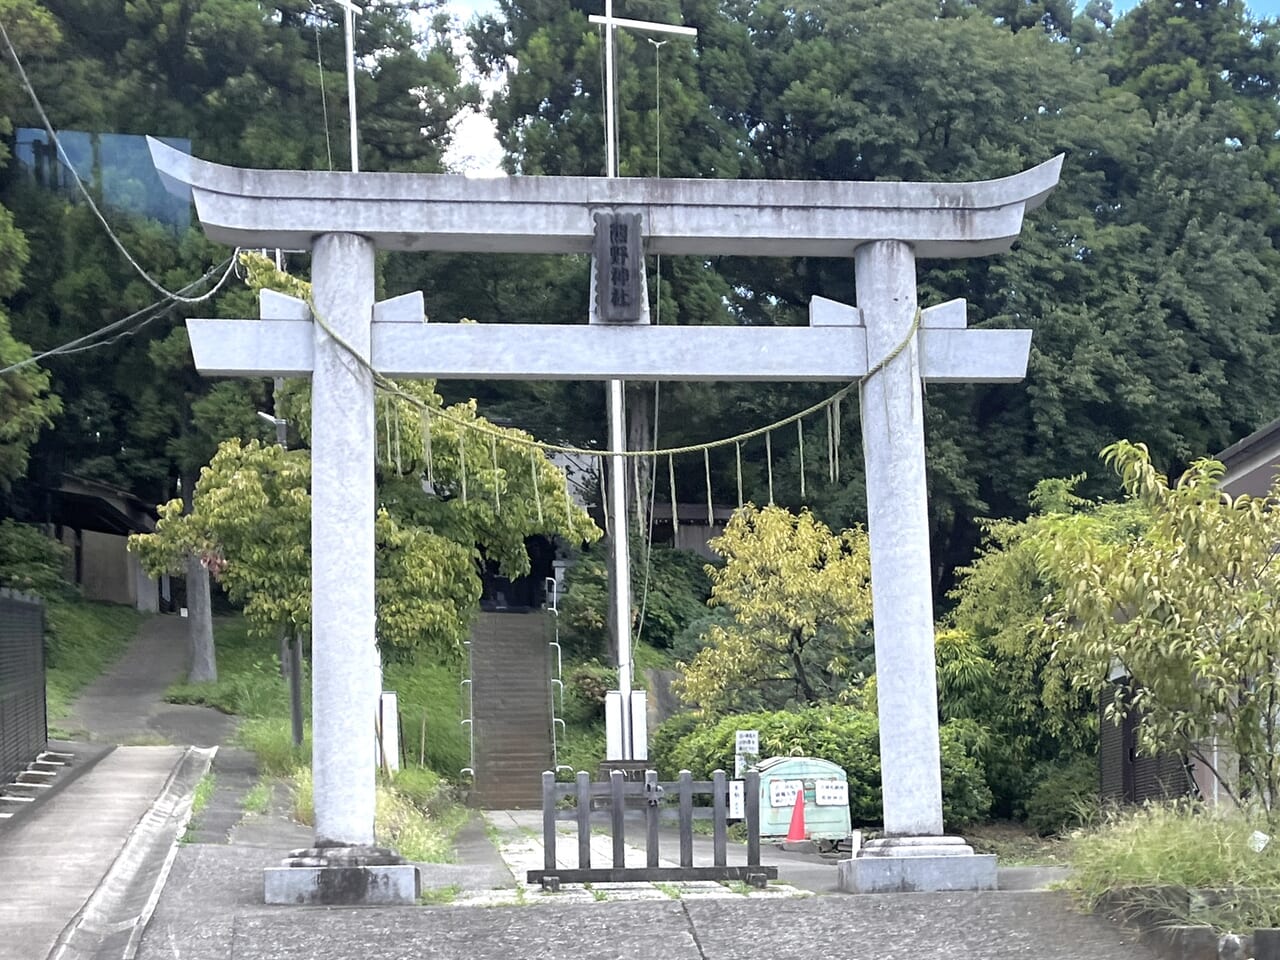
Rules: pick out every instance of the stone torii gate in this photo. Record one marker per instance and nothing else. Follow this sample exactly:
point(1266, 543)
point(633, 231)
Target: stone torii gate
point(344, 217)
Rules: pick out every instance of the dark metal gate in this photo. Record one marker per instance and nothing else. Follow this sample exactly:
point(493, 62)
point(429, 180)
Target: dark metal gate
point(23, 727)
point(648, 795)
point(1127, 776)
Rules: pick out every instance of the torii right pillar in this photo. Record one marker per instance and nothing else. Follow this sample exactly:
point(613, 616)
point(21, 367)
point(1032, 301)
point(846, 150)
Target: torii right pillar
point(914, 854)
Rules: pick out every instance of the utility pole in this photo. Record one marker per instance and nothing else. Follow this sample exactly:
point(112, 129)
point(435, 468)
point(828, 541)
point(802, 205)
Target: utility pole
point(620, 572)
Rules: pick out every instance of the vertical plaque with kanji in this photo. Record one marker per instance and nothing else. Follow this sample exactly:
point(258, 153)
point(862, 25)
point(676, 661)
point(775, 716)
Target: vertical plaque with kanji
point(619, 267)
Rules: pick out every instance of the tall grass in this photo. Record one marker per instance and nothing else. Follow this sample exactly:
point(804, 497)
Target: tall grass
point(431, 696)
point(1187, 847)
point(417, 813)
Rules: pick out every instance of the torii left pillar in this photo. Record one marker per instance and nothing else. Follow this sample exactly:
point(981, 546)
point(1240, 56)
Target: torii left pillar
point(344, 866)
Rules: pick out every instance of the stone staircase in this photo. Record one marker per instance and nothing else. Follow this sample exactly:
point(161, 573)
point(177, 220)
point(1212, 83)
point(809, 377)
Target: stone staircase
point(511, 702)
point(28, 784)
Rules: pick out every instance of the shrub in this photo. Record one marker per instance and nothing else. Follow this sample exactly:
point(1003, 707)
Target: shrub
point(665, 739)
point(428, 791)
point(677, 594)
point(846, 736)
point(585, 688)
point(689, 642)
point(31, 562)
point(1064, 795)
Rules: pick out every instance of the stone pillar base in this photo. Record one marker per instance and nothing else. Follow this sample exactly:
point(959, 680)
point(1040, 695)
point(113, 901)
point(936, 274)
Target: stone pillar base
point(911, 864)
point(343, 876)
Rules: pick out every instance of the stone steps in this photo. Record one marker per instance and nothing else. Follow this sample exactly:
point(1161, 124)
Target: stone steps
point(511, 697)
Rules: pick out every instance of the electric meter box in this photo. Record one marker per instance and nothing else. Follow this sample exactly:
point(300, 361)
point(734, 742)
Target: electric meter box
point(826, 797)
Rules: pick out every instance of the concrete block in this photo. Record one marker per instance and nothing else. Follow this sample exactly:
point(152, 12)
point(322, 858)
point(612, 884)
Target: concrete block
point(1266, 944)
point(379, 885)
point(917, 874)
point(1183, 942)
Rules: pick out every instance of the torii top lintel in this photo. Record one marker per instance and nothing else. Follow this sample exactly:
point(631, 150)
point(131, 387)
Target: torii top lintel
point(414, 211)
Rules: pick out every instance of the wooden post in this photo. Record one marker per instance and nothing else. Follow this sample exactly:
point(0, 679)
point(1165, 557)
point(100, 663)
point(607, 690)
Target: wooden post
point(549, 820)
point(686, 818)
point(720, 799)
point(753, 817)
point(652, 796)
point(584, 820)
point(617, 808)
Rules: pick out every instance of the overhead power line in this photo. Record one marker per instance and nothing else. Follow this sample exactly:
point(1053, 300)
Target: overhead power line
point(139, 318)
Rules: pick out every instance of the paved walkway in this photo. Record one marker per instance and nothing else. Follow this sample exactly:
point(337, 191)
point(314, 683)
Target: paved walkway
point(52, 861)
point(91, 853)
point(126, 704)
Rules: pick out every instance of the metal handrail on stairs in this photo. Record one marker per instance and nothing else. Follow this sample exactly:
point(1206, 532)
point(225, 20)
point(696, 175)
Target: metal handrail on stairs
point(556, 681)
point(469, 720)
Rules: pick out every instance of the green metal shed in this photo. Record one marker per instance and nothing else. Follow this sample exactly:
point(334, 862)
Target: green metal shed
point(826, 797)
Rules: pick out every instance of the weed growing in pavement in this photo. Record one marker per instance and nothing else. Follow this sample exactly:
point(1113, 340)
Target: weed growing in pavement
point(199, 800)
point(439, 896)
point(258, 798)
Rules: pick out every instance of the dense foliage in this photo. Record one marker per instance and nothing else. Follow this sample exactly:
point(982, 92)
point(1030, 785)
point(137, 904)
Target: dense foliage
point(1148, 278)
point(1185, 613)
point(847, 736)
point(250, 518)
point(669, 587)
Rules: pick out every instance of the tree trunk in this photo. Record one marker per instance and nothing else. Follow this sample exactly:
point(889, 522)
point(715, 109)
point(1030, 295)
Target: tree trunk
point(802, 677)
point(204, 666)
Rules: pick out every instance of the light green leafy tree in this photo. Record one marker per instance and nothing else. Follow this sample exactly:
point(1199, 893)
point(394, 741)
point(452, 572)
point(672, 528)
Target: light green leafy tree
point(799, 595)
point(250, 518)
point(1187, 610)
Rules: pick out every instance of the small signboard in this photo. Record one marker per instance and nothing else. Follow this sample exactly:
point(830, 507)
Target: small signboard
point(831, 793)
point(619, 265)
point(737, 800)
point(746, 744)
point(783, 793)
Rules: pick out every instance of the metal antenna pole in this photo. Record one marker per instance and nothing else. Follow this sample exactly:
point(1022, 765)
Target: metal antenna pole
point(349, 17)
point(620, 574)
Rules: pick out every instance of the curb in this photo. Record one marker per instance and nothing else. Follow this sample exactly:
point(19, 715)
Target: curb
point(1157, 914)
point(110, 924)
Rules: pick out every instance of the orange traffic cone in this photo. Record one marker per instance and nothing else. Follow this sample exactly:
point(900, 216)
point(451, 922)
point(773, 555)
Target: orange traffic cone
point(797, 831)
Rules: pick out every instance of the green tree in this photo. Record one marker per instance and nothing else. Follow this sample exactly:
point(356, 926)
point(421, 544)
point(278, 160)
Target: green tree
point(249, 519)
point(669, 586)
point(800, 597)
point(1186, 609)
point(26, 403)
point(995, 664)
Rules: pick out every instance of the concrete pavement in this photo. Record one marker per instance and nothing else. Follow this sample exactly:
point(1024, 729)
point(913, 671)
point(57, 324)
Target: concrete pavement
point(55, 860)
